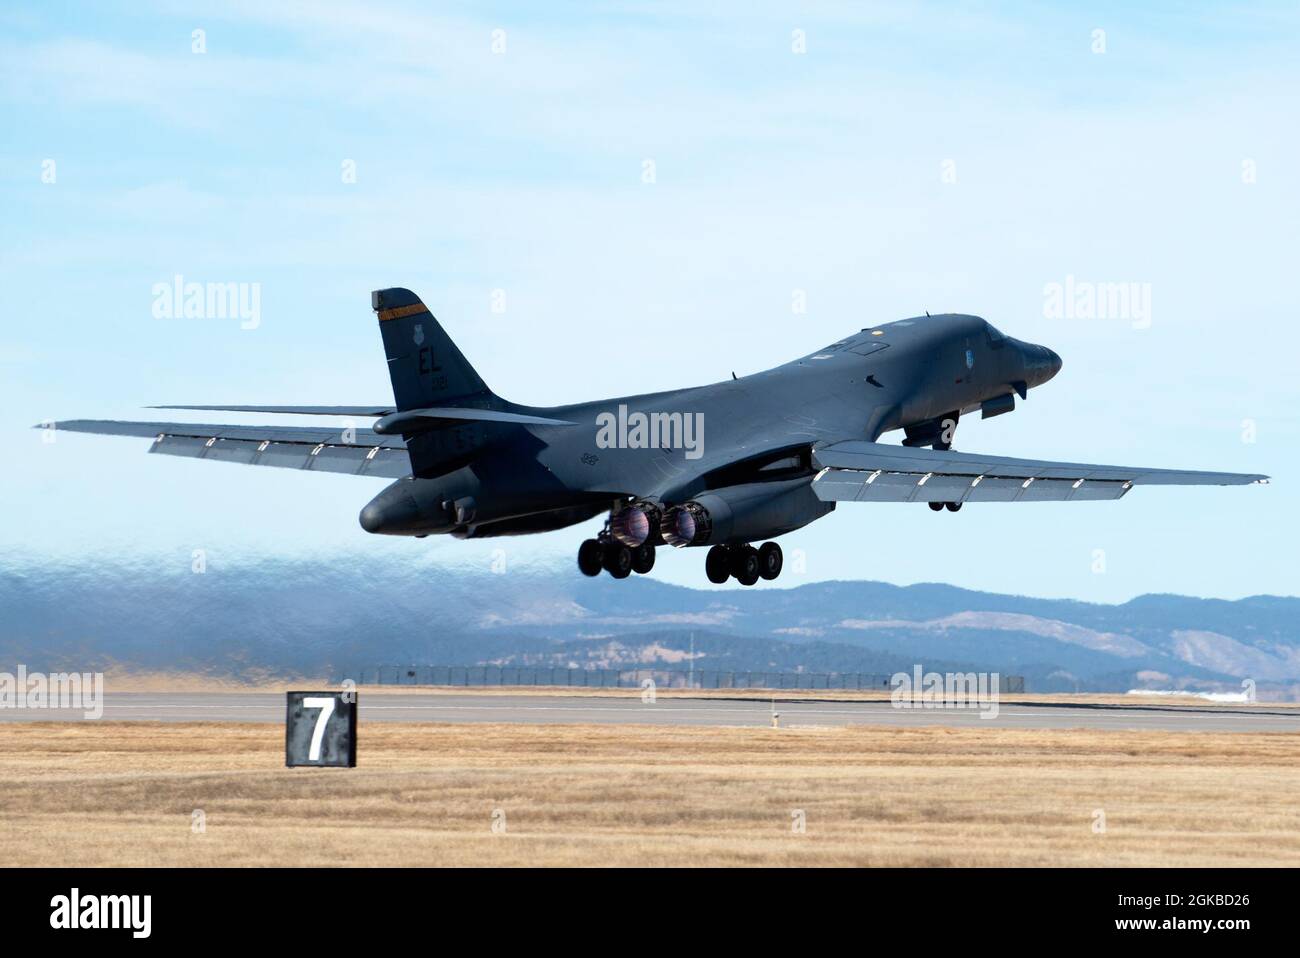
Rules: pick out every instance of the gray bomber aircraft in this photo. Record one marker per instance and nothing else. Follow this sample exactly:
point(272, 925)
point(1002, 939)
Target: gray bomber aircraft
point(783, 446)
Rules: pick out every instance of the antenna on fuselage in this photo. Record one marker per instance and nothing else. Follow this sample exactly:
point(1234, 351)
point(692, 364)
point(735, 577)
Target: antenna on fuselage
point(927, 314)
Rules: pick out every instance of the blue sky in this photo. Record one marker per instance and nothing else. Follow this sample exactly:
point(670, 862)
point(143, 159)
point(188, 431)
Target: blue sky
point(775, 171)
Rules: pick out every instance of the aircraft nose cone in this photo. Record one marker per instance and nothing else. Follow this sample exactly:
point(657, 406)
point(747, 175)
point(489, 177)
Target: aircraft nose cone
point(1040, 363)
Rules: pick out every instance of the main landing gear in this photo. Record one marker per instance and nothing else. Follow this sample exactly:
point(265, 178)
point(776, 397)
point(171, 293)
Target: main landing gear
point(744, 563)
point(940, 506)
point(606, 552)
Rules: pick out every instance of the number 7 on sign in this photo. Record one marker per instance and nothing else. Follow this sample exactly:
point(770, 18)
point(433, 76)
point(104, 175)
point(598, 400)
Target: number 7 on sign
point(326, 706)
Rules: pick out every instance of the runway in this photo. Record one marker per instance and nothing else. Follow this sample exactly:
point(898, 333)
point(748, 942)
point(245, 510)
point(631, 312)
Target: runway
point(469, 707)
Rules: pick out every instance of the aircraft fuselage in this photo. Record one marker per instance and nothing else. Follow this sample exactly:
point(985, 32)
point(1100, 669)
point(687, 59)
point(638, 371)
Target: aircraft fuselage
point(900, 375)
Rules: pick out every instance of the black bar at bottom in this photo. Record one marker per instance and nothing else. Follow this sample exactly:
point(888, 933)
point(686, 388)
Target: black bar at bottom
point(1224, 907)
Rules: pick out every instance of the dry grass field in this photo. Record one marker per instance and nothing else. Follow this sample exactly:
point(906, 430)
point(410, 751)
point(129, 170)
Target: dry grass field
point(116, 793)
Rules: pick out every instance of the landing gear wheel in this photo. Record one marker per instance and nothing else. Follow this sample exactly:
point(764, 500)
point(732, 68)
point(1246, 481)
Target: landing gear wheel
point(936, 507)
point(952, 506)
point(617, 559)
point(717, 565)
point(745, 565)
point(589, 557)
point(770, 560)
point(643, 558)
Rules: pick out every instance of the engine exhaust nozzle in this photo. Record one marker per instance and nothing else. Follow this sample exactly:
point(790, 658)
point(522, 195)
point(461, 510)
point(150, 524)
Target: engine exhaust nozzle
point(635, 524)
point(686, 525)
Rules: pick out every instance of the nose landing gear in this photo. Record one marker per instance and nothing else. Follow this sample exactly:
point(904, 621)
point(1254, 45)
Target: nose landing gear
point(940, 506)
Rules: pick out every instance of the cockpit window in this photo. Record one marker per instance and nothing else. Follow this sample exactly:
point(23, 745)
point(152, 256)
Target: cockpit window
point(996, 337)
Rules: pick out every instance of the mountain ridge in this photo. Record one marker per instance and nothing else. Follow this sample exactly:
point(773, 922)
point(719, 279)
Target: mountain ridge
point(333, 613)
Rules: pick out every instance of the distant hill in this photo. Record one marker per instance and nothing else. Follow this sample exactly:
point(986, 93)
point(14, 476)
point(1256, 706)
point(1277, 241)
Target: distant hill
point(344, 612)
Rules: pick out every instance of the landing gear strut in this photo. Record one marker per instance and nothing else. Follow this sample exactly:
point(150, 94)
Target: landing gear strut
point(744, 563)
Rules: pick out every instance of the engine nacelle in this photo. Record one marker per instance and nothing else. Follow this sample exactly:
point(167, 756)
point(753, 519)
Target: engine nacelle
point(457, 503)
point(745, 513)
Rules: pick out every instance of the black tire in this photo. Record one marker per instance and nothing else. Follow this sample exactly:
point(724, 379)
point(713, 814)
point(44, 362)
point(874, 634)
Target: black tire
point(618, 560)
point(717, 565)
point(952, 506)
point(590, 556)
point(936, 507)
point(770, 560)
point(745, 565)
point(643, 558)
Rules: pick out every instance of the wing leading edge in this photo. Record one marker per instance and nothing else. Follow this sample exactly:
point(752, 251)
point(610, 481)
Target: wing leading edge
point(359, 452)
point(392, 420)
point(860, 471)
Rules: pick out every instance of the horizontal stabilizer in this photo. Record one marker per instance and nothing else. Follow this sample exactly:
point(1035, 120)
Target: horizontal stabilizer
point(418, 420)
point(860, 471)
